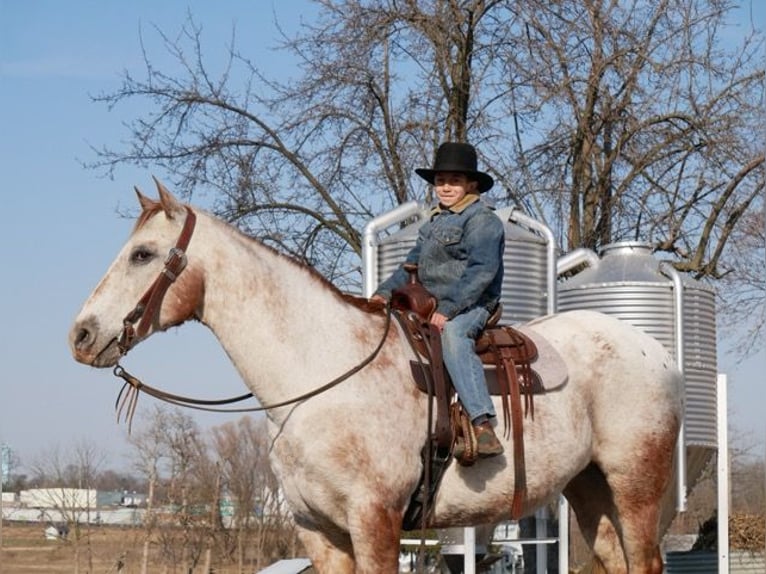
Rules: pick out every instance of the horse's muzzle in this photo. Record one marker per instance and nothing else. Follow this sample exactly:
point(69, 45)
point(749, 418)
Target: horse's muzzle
point(89, 348)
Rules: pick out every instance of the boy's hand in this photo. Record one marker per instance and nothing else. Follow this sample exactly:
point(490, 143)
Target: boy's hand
point(438, 320)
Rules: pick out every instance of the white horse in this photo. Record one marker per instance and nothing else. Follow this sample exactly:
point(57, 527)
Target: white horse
point(349, 458)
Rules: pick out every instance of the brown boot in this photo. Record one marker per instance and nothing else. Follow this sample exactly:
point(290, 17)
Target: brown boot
point(487, 444)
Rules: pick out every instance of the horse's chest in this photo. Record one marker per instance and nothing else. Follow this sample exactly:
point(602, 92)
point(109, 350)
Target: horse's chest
point(338, 465)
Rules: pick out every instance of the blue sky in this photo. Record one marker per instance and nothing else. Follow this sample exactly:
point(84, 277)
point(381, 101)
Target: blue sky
point(59, 226)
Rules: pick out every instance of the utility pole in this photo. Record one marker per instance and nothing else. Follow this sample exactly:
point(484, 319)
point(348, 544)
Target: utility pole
point(5, 462)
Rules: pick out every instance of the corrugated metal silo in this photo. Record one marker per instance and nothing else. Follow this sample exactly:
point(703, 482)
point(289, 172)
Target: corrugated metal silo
point(629, 283)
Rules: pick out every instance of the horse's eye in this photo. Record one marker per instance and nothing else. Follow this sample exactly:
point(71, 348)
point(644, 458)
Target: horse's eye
point(141, 256)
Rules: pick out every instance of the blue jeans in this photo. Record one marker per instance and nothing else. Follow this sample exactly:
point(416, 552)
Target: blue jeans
point(463, 365)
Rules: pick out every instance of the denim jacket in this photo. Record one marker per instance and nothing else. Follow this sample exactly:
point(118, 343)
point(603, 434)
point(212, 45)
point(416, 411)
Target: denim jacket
point(460, 259)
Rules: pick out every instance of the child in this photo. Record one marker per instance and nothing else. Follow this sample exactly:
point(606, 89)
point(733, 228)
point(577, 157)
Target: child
point(459, 254)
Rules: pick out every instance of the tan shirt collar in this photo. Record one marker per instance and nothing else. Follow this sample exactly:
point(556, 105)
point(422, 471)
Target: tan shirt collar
point(459, 206)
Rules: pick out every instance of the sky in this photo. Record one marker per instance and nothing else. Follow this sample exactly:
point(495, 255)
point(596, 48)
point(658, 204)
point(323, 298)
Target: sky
point(61, 223)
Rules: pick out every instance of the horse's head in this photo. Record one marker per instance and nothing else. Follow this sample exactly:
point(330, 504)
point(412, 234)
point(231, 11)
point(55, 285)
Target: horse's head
point(149, 287)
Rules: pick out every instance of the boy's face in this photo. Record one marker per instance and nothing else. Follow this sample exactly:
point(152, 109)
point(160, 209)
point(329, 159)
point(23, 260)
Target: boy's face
point(452, 186)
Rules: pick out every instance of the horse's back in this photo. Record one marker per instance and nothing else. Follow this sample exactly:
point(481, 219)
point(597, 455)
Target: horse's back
point(610, 346)
point(621, 391)
point(629, 380)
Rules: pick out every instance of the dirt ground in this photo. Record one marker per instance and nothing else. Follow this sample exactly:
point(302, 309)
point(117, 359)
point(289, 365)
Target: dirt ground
point(26, 551)
point(113, 549)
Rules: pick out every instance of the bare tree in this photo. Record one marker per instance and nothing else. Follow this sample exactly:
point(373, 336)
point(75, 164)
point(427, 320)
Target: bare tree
point(11, 465)
point(259, 513)
point(209, 477)
point(186, 498)
point(114, 480)
point(305, 164)
point(606, 120)
point(743, 291)
point(644, 122)
point(69, 478)
point(237, 449)
point(171, 454)
point(150, 452)
point(749, 487)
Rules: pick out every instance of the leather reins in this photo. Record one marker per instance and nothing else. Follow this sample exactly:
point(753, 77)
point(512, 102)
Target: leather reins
point(146, 312)
point(134, 386)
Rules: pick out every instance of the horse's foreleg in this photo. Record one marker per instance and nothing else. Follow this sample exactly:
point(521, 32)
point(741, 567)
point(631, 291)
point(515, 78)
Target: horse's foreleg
point(329, 555)
point(375, 532)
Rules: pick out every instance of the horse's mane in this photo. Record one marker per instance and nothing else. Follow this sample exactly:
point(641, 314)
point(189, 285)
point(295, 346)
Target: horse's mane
point(361, 303)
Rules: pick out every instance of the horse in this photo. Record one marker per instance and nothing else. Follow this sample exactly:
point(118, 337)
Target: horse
point(349, 458)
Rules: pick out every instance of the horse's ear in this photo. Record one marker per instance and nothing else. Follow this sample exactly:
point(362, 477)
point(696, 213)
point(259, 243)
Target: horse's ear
point(145, 202)
point(170, 205)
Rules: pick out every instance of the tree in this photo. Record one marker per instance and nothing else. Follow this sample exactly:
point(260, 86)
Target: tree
point(188, 487)
point(110, 479)
point(258, 509)
point(70, 477)
point(149, 454)
point(170, 451)
point(606, 120)
point(648, 133)
point(12, 480)
point(744, 289)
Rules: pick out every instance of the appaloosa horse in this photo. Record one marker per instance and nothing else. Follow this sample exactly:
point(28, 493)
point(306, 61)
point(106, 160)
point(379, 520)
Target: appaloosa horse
point(349, 458)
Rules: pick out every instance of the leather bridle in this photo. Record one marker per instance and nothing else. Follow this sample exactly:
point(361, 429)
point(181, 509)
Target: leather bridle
point(147, 309)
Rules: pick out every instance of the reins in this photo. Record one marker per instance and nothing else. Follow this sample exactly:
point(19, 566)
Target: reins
point(128, 395)
point(146, 312)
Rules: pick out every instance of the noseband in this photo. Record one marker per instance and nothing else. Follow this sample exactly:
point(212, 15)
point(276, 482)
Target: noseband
point(147, 309)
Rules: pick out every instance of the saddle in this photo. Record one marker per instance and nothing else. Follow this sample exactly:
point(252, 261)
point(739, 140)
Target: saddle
point(506, 352)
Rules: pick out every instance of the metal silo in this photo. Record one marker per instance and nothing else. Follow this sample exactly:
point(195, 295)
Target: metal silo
point(526, 259)
point(629, 283)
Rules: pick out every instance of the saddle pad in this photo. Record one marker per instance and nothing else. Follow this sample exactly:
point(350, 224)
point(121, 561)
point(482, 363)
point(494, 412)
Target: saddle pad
point(549, 366)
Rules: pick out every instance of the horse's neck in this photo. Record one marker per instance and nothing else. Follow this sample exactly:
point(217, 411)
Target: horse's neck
point(286, 331)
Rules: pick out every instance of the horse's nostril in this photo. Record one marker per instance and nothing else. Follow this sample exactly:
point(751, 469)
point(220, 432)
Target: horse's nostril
point(83, 334)
point(81, 338)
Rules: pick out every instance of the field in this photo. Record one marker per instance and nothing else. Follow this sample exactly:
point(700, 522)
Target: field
point(26, 551)
point(112, 550)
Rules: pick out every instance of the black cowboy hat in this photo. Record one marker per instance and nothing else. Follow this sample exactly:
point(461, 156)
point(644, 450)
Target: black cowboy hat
point(458, 157)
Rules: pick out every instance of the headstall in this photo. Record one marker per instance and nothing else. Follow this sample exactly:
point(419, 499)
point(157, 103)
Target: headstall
point(147, 309)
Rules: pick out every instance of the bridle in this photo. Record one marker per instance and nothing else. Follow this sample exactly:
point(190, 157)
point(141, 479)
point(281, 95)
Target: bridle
point(146, 312)
point(147, 309)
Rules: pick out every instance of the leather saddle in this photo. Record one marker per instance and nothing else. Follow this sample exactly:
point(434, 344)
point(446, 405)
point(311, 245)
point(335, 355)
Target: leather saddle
point(494, 338)
point(415, 305)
